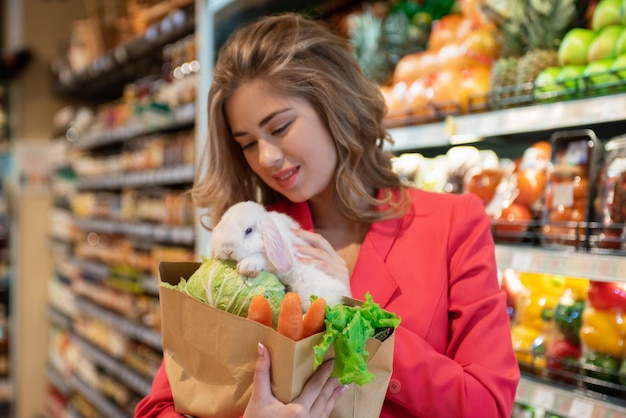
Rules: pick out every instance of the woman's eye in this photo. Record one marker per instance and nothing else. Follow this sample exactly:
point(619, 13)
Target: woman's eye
point(248, 145)
point(281, 129)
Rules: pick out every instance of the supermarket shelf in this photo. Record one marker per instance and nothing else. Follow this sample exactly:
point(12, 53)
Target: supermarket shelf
point(107, 75)
point(544, 117)
point(565, 401)
point(59, 318)
point(601, 267)
point(57, 380)
point(105, 406)
point(167, 176)
point(179, 118)
point(150, 285)
point(144, 231)
point(127, 327)
point(114, 367)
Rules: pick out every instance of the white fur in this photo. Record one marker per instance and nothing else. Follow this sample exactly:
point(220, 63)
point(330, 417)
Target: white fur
point(261, 240)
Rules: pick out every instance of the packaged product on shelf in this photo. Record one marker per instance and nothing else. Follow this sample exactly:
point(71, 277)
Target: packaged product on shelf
point(546, 321)
point(608, 232)
point(571, 188)
point(603, 338)
point(531, 329)
point(564, 352)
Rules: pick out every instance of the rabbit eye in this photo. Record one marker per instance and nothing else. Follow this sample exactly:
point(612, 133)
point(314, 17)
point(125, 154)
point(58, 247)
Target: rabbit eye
point(248, 231)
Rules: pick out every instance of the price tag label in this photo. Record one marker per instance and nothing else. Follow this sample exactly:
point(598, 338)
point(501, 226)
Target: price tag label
point(581, 409)
point(544, 399)
point(521, 260)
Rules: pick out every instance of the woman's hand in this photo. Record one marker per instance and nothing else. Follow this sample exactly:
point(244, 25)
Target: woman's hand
point(316, 400)
point(320, 253)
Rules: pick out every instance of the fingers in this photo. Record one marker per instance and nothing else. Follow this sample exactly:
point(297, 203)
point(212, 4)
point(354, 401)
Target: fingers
point(327, 400)
point(261, 387)
point(322, 255)
point(321, 392)
point(314, 240)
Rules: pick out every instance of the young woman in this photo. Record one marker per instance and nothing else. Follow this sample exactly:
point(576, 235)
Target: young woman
point(295, 125)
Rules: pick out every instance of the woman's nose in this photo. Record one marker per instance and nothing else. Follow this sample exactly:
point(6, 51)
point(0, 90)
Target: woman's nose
point(269, 154)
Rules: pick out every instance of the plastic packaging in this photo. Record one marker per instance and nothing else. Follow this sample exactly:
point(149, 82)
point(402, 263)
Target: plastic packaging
point(571, 188)
point(608, 232)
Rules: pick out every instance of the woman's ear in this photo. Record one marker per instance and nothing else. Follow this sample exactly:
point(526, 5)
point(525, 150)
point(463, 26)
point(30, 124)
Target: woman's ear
point(278, 246)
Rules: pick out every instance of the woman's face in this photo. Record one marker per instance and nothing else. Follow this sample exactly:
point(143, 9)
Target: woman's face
point(283, 140)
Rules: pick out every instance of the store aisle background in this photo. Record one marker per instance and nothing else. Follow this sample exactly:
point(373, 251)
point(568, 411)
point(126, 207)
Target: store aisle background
point(41, 26)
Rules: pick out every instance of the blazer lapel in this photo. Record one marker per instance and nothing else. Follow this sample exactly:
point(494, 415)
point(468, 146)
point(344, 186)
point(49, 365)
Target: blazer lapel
point(371, 273)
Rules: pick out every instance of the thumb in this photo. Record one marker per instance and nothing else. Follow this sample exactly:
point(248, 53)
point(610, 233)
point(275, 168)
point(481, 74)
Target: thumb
point(261, 387)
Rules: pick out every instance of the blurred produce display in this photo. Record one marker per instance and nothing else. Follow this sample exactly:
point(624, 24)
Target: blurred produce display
point(472, 56)
point(566, 191)
point(569, 329)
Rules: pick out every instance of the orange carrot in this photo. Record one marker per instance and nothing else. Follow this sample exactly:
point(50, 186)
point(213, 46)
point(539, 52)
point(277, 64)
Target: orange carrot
point(313, 320)
point(260, 310)
point(290, 317)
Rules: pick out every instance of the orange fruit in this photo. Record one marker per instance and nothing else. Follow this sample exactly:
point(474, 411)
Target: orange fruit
point(531, 184)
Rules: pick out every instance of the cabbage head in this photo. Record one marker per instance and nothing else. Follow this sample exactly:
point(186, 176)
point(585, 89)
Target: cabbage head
point(217, 283)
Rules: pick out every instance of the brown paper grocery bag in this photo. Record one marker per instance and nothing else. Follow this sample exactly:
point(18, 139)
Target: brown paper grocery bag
point(210, 356)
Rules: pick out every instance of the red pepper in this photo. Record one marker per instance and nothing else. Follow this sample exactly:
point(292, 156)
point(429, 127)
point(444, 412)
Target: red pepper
point(562, 360)
point(606, 295)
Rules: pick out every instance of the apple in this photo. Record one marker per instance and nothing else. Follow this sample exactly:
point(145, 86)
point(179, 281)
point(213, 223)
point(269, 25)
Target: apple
point(571, 79)
point(620, 47)
point(604, 44)
point(598, 75)
point(619, 70)
point(574, 47)
point(607, 13)
point(546, 88)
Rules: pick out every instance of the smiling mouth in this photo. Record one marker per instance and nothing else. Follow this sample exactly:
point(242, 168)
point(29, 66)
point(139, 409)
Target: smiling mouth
point(285, 174)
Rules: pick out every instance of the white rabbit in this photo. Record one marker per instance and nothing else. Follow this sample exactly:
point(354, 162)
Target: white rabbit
point(262, 240)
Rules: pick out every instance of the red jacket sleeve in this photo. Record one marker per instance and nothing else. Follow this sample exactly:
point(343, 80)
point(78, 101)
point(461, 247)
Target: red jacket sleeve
point(159, 403)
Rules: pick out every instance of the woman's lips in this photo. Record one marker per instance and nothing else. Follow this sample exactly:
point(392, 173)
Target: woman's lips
point(286, 178)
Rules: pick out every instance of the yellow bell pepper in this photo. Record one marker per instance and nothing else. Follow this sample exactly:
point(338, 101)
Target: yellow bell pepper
point(604, 331)
point(523, 338)
point(579, 287)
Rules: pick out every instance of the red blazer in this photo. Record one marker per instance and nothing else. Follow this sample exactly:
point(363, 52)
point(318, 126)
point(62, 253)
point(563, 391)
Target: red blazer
point(435, 268)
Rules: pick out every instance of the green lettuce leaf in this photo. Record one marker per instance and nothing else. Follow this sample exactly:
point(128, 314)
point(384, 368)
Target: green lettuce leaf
point(349, 328)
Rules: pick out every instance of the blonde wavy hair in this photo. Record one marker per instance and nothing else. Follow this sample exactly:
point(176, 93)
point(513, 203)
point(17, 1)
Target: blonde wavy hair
point(300, 57)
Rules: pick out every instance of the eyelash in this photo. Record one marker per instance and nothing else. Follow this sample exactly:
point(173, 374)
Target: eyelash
point(275, 132)
point(248, 145)
point(281, 129)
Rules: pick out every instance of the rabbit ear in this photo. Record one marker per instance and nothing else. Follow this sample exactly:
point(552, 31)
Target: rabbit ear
point(278, 247)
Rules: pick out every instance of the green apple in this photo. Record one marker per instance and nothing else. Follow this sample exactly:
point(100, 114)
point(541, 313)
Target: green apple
point(607, 13)
point(546, 88)
point(574, 47)
point(604, 44)
point(570, 77)
point(619, 70)
point(598, 76)
point(620, 47)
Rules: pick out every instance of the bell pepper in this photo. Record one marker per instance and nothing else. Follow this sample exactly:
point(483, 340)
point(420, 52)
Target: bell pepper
point(562, 360)
point(578, 286)
point(603, 331)
point(601, 366)
point(568, 317)
point(607, 295)
point(523, 338)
